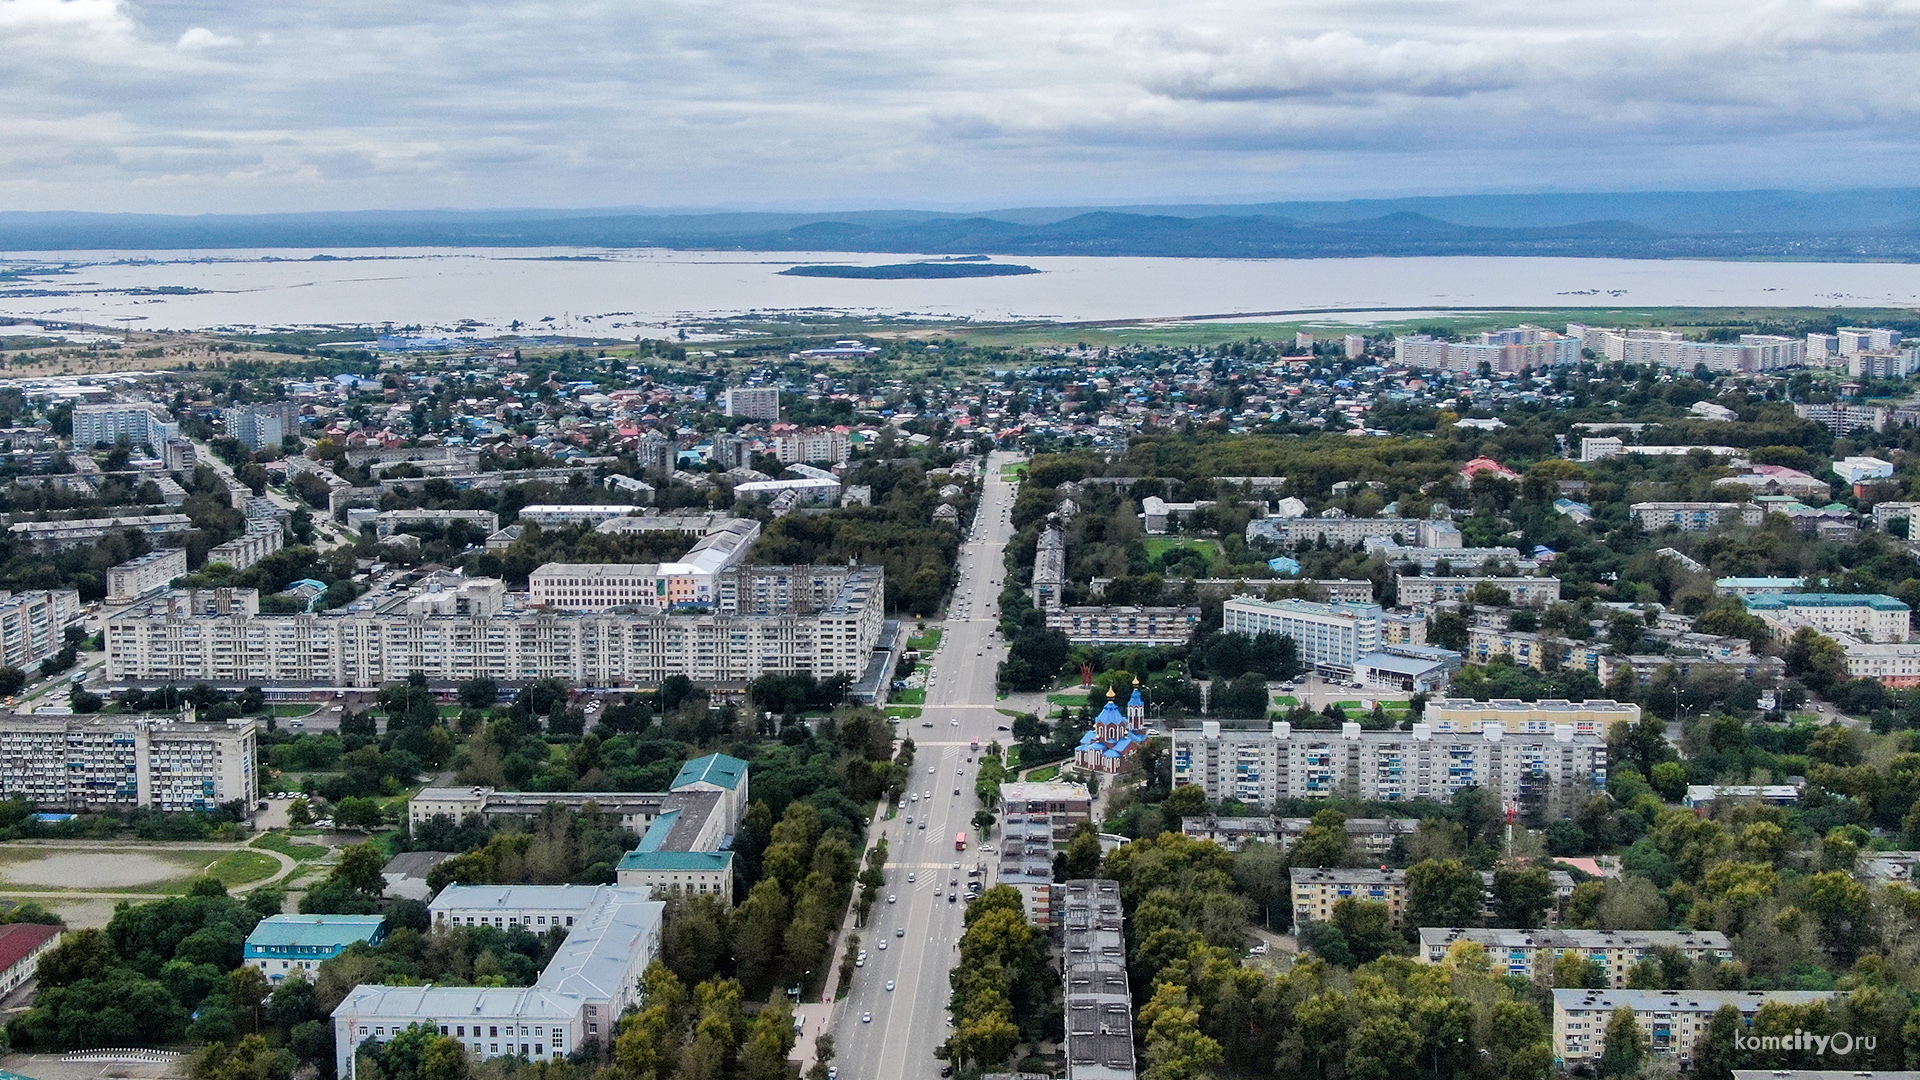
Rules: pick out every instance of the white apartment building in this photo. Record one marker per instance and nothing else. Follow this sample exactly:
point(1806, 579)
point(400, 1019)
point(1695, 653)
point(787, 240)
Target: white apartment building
point(137, 577)
point(388, 522)
point(1353, 530)
point(1672, 1020)
point(822, 619)
point(33, 624)
point(753, 402)
point(1870, 617)
point(1122, 625)
point(809, 489)
point(1502, 351)
point(1595, 716)
point(141, 423)
point(1671, 349)
point(537, 1025)
point(1883, 365)
point(249, 547)
point(74, 532)
point(262, 426)
point(545, 514)
point(1425, 591)
point(803, 445)
point(120, 762)
point(1694, 516)
point(1531, 954)
point(1859, 339)
point(1543, 774)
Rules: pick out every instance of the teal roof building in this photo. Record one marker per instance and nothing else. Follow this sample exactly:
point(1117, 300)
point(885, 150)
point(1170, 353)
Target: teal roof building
point(283, 944)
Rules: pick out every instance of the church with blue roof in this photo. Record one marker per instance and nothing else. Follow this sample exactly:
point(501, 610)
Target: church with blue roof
point(1110, 745)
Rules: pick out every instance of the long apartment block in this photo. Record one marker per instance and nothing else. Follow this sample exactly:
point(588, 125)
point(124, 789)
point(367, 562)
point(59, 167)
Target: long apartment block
point(1316, 890)
point(825, 620)
point(96, 762)
point(1531, 954)
point(1094, 962)
point(1544, 773)
point(1673, 1020)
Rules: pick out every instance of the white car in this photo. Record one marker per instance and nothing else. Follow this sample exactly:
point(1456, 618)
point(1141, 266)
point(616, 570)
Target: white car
point(890, 899)
point(883, 944)
point(889, 986)
point(1259, 950)
point(909, 879)
point(956, 723)
point(866, 1018)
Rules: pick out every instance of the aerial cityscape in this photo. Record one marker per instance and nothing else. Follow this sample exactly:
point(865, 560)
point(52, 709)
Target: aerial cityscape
point(1007, 542)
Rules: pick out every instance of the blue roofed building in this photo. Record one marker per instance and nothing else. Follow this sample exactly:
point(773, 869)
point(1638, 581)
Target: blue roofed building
point(688, 846)
point(719, 773)
point(283, 944)
point(1111, 745)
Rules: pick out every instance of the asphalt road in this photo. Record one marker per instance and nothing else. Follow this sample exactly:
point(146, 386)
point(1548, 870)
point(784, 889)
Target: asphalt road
point(909, 1021)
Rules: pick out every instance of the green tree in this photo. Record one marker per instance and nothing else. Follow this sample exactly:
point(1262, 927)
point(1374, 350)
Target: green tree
point(1368, 928)
point(1521, 895)
point(1625, 1047)
point(1083, 852)
point(1571, 971)
point(1669, 778)
point(1716, 1053)
point(1324, 843)
point(1443, 892)
point(1382, 1047)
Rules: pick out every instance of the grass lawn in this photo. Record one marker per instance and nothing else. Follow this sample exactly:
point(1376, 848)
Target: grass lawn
point(1070, 700)
point(1017, 471)
point(926, 642)
point(280, 842)
point(904, 712)
point(1285, 701)
point(916, 695)
point(1160, 545)
point(1351, 706)
point(1041, 776)
point(241, 867)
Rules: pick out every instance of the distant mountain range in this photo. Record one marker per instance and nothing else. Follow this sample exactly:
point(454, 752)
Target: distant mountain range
point(1856, 225)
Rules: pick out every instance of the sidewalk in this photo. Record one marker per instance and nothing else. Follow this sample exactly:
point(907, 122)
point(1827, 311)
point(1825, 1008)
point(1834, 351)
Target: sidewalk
point(820, 1016)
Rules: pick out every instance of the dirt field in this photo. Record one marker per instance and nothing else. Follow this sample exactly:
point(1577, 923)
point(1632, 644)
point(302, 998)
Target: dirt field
point(99, 869)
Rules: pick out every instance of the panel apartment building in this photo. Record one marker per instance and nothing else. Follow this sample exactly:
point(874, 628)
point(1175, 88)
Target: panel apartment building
point(33, 624)
point(1671, 349)
point(820, 619)
point(141, 423)
point(1316, 890)
point(1502, 351)
point(1094, 962)
point(1328, 636)
point(1673, 1020)
point(121, 762)
point(1543, 774)
point(1531, 954)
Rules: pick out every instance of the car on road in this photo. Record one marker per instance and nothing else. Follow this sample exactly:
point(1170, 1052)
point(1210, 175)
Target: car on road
point(899, 931)
point(866, 1018)
point(883, 944)
point(909, 819)
point(923, 826)
point(926, 723)
point(1258, 950)
point(952, 897)
point(890, 899)
point(861, 960)
point(910, 878)
point(833, 1072)
point(889, 986)
point(956, 866)
point(956, 791)
point(956, 723)
point(1001, 727)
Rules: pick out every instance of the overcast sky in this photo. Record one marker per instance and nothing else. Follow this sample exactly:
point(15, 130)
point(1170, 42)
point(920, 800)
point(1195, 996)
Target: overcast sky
point(229, 106)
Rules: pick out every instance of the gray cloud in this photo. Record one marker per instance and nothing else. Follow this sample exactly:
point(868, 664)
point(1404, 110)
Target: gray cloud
point(219, 105)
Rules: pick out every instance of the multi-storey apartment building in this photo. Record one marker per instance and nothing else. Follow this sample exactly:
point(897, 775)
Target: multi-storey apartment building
point(1425, 591)
point(1099, 1008)
point(1124, 625)
point(1036, 820)
point(1671, 349)
point(1502, 351)
point(120, 762)
point(137, 577)
point(1532, 649)
point(1372, 837)
point(692, 579)
point(1672, 1020)
point(1866, 616)
point(33, 624)
point(73, 532)
point(262, 426)
point(1531, 954)
point(1595, 716)
point(1316, 891)
point(802, 445)
point(820, 619)
point(753, 402)
point(1353, 530)
point(1327, 635)
point(1694, 516)
point(259, 541)
point(1543, 774)
point(141, 423)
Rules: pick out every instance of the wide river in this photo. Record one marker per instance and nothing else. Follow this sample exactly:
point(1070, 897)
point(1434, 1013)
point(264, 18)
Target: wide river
point(633, 293)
